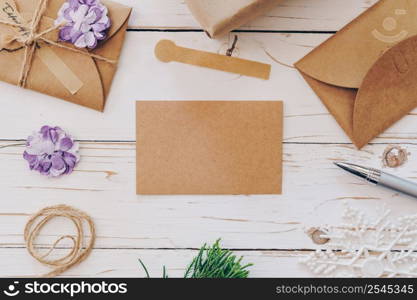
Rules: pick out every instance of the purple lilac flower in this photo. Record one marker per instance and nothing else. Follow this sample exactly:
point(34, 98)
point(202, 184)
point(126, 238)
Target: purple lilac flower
point(51, 152)
point(86, 22)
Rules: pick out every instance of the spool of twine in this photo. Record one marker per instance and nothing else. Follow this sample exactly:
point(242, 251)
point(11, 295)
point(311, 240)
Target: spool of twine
point(78, 252)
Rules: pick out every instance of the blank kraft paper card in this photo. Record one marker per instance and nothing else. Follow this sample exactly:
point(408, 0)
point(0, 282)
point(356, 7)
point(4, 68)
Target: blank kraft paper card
point(209, 147)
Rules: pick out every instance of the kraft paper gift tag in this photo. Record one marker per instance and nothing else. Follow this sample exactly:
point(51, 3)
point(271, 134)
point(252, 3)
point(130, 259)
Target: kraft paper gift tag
point(209, 147)
point(88, 75)
point(218, 17)
point(366, 74)
point(168, 51)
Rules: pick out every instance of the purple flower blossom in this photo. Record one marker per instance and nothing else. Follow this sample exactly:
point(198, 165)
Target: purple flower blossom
point(51, 152)
point(86, 22)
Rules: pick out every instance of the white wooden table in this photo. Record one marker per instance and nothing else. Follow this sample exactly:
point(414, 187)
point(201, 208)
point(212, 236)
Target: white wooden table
point(267, 230)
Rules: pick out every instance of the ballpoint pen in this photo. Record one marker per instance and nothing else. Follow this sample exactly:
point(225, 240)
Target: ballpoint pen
point(381, 178)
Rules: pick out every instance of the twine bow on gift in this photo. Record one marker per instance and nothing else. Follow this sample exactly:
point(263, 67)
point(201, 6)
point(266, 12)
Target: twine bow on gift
point(28, 37)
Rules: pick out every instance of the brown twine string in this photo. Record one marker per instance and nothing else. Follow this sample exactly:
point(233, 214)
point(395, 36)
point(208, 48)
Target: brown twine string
point(229, 51)
point(78, 252)
point(30, 42)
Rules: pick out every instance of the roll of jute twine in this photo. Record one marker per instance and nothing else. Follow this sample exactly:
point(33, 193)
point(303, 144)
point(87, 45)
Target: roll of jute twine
point(78, 253)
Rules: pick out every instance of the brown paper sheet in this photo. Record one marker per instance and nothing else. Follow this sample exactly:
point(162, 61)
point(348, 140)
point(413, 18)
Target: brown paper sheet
point(209, 147)
point(365, 74)
point(218, 17)
point(167, 51)
point(96, 75)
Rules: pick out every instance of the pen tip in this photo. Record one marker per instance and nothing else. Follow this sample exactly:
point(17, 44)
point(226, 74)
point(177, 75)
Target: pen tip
point(342, 165)
point(363, 172)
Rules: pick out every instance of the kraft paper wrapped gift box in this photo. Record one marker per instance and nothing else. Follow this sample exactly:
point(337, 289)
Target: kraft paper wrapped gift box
point(219, 17)
point(58, 68)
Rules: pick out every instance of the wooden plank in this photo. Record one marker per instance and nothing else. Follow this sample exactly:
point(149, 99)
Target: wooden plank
point(104, 186)
point(130, 226)
point(124, 263)
point(305, 15)
point(142, 76)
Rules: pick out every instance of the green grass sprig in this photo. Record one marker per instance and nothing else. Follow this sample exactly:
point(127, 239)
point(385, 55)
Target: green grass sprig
point(215, 262)
point(164, 271)
point(212, 262)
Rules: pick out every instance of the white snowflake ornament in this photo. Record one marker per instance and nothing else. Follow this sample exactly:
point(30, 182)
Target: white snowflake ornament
point(367, 247)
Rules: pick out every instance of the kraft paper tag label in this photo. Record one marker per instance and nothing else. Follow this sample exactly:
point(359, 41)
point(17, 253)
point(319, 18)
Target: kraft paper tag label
point(167, 51)
point(61, 71)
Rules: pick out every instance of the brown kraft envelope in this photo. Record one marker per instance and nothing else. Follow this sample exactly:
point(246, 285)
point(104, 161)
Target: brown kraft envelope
point(218, 17)
point(366, 74)
point(209, 147)
point(96, 75)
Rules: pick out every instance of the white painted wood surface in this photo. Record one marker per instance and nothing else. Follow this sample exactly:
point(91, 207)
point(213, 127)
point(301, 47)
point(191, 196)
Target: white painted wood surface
point(166, 230)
